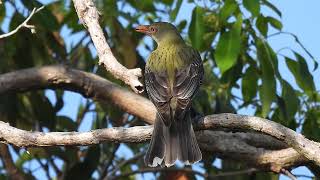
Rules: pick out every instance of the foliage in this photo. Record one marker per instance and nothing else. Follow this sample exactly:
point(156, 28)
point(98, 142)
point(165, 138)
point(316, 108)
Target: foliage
point(242, 70)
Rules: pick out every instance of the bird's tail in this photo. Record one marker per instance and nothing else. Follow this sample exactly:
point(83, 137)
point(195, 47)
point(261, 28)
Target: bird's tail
point(171, 143)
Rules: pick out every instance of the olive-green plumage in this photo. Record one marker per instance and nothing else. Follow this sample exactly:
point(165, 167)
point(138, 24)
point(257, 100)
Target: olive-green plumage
point(173, 75)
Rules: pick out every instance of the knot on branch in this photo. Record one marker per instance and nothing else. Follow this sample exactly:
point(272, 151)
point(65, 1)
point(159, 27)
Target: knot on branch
point(133, 80)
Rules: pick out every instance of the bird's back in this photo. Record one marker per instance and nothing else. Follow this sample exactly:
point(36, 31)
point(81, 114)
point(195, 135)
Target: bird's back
point(168, 60)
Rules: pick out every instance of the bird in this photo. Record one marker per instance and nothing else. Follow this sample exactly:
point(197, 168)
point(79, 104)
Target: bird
point(173, 75)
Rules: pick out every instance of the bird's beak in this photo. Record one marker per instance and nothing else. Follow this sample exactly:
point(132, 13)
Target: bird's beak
point(143, 29)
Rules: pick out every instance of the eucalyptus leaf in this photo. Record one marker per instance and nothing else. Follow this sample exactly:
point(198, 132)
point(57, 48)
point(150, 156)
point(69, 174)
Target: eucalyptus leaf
point(267, 91)
point(253, 6)
point(227, 10)
point(196, 28)
point(228, 47)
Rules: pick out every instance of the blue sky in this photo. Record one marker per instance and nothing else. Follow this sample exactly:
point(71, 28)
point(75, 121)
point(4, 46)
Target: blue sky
point(298, 16)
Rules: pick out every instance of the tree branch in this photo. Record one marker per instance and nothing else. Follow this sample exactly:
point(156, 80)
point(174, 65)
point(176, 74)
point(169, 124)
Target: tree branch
point(98, 88)
point(221, 143)
point(23, 24)
point(89, 16)
point(12, 170)
point(308, 148)
point(88, 84)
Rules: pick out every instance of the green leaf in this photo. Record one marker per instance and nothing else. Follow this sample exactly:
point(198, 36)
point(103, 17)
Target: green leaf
point(22, 159)
point(227, 10)
point(267, 91)
point(312, 124)
point(196, 28)
point(182, 25)
point(228, 47)
point(253, 6)
point(2, 12)
point(300, 71)
point(249, 84)
point(146, 5)
point(64, 123)
point(290, 98)
point(271, 6)
point(274, 22)
point(262, 25)
point(46, 19)
point(84, 170)
point(175, 11)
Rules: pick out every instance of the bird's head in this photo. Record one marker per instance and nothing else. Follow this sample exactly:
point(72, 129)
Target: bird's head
point(161, 32)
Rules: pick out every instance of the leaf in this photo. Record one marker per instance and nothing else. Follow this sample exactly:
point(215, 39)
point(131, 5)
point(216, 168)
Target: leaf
point(146, 5)
point(196, 28)
point(253, 6)
point(312, 124)
point(182, 25)
point(84, 170)
point(22, 159)
point(274, 22)
point(2, 12)
point(46, 19)
point(300, 71)
point(249, 84)
point(271, 6)
point(262, 25)
point(227, 10)
point(175, 11)
point(228, 47)
point(267, 91)
point(290, 98)
point(43, 109)
point(64, 123)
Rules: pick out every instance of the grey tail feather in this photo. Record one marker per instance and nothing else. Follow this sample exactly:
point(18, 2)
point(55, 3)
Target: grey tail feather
point(171, 143)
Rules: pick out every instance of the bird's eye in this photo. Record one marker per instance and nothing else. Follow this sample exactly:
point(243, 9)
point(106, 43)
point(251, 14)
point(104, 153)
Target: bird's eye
point(152, 29)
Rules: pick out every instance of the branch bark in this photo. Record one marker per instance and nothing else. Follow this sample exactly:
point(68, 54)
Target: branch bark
point(98, 88)
point(222, 143)
point(89, 16)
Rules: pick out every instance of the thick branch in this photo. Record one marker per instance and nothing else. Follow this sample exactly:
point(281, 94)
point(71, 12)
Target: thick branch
point(94, 86)
point(89, 16)
point(219, 142)
point(87, 84)
point(308, 148)
point(230, 145)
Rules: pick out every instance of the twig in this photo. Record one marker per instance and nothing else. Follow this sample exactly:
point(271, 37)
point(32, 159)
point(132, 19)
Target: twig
point(106, 167)
point(125, 162)
point(83, 112)
point(12, 170)
point(288, 173)
point(295, 37)
point(24, 24)
point(89, 16)
point(45, 167)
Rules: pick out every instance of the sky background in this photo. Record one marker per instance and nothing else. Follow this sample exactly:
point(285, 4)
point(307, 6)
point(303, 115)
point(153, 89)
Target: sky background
point(299, 17)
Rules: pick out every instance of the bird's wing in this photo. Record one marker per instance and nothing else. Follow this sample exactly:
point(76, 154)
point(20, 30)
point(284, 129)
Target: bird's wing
point(186, 83)
point(187, 80)
point(159, 93)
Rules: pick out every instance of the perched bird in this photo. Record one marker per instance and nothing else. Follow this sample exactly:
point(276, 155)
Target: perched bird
point(173, 74)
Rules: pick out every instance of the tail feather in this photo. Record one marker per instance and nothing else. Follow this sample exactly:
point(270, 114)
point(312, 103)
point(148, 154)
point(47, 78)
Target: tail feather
point(171, 143)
